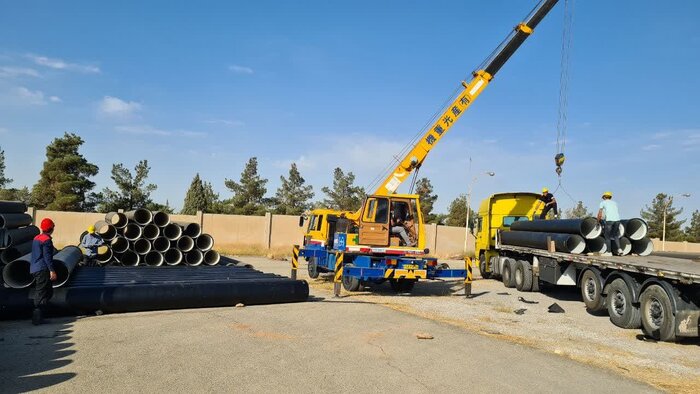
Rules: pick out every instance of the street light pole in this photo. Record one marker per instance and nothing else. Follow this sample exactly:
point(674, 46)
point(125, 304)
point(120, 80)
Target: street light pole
point(663, 228)
point(469, 199)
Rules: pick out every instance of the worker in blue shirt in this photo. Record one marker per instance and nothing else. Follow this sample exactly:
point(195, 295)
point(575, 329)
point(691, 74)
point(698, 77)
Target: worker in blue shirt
point(90, 243)
point(41, 268)
point(609, 217)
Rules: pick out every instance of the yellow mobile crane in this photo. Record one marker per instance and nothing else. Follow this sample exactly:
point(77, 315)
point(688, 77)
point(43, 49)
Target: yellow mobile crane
point(364, 240)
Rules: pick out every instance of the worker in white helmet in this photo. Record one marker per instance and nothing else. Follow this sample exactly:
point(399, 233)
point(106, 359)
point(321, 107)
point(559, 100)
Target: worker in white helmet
point(609, 217)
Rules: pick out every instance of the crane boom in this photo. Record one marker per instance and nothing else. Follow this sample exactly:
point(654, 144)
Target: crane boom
point(459, 105)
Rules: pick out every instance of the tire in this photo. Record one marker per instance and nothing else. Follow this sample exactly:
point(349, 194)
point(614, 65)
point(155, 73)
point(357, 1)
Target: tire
point(523, 276)
point(658, 320)
point(508, 273)
point(312, 268)
point(482, 264)
point(592, 292)
point(619, 301)
point(350, 283)
point(402, 285)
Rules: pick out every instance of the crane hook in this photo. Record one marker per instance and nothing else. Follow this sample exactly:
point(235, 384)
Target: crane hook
point(559, 161)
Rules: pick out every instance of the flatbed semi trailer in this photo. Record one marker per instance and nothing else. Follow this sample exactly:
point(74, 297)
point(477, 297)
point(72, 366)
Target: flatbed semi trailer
point(657, 293)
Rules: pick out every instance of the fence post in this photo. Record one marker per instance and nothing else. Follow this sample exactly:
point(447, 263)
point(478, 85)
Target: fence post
point(268, 230)
point(32, 213)
point(435, 240)
point(200, 220)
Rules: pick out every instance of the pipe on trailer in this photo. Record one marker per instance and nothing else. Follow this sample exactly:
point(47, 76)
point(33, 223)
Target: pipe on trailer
point(153, 258)
point(194, 258)
point(567, 243)
point(172, 231)
point(139, 216)
point(130, 258)
point(21, 235)
point(642, 247)
point(132, 231)
point(588, 228)
point(14, 252)
point(596, 245)
point(14, 220)
point(105, 230)
point(141, 246)
point(625, 245)
point(185, 244)
point(119, 244)
point(172, 257)
point(16, 273)
point(635, 229)
point(212, 257)
point(161, 244)
point(161, 219)
point(13, 207)
point(117, 219)
point(64, 262)
point(204, 242)
point(150, 232)
point(192, 230)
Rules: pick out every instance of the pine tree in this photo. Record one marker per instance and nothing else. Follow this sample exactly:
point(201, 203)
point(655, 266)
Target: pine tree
point(692, 232)
point(344, 195)
point(195, 199)
point(132, 191)
point(249, 193)
point(293, 195)
point(3, 180)
point(580, 211)
point(427, 199)
point(457, 213)
point(654, 215)
point(64, 183)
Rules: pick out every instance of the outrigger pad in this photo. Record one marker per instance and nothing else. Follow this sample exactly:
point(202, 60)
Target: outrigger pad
point(555, 308)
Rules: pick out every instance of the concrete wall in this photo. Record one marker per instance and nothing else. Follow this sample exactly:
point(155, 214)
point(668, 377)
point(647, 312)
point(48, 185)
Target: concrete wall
point(277, 232)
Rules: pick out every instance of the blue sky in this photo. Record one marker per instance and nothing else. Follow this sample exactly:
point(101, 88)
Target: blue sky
point(201, 87)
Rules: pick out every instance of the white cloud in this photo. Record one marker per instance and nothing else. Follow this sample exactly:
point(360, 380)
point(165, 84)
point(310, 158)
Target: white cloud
point(3, 130)
point(303, 163)
point(240, 69)
point(55, 99)
point(226, 122)
point(154, 131)
point(661, 135)
point(116, 107)
point(33, 97)
point(651, 147)
point(59, 64)
point(11, 72)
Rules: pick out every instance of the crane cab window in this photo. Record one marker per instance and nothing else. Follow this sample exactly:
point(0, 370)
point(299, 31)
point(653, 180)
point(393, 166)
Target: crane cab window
point(312, 223)
point(400, 211)
point(319, 222)
point(376, 210)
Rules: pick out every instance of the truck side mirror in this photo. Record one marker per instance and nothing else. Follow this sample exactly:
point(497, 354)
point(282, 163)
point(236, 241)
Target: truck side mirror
point(301, 221)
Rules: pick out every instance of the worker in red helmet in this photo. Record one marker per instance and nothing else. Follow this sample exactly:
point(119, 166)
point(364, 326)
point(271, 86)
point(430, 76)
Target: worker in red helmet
point(42, 269)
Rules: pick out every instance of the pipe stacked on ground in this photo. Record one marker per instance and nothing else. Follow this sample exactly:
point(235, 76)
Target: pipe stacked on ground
point(16, 274)
point(16, 231)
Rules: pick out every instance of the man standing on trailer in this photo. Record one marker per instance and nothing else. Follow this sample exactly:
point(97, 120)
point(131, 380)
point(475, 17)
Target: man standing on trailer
point(550, 203)
point(42, 270)
point(609, 216)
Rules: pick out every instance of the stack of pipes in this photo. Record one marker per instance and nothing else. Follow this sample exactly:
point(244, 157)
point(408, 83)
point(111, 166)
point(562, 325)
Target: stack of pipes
point(16, 231)
point(578, 236)
point(142, 237)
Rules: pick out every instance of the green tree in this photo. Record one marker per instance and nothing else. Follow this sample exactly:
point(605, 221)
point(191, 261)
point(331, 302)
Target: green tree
point(195, 199)
point(427, 199)
point(457, 213)
point(580, 211)
point(344, 195)
point(132, 190)
point(249, 193)
point(64, 183)
point(13, 194)
point(692, 232)
point(3, 180)
point(154, 206)
point(654, 215)
point(293, 195)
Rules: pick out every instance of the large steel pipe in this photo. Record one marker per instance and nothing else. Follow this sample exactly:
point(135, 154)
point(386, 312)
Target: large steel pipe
point(185, 244)
point(153, 258)
point(588, 228)
point(625, 245)
point(596, 245)
point(14, 252)
point(13, 207)
point(117, 219)
point(21, 235)
point(132, 231)
point(194, 258)
point(104, 255)
point(161, 219)
point(14, 220)
point(172, 257)
point(105, 230)
point(161, 244)
point(192, 230)
point(64, 262)
point(141, 246)
point(172, 231)
point(567, 243)
point(635, 229)
point(150, 232)
point(140, 216)
point(119, 245)
point(642, 247)
point(212, 257)
point(16, 273)
point(204, 242)
point(129, 258)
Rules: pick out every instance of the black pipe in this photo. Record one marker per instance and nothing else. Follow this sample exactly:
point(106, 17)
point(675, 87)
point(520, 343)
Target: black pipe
point(13, 207)
point(14, 220)
point(14, 252)
point(119, 245)
point(635, 229)
point(185, 243)
point(588, 228)
point(139, 216)
point(64, 262)
point(141, 246)
point(192, 230)
point(21, 235)
point(204, 242)
point(105, 256)
point(153, 258)
point(116, 219)
point(105, 230)
point(161, 219)
point(212, 257)
point(16, 273)
point(642, 247)
point(625, 245)
point(596, 245)
point(172, 257)
point(194, 258)
point(567, 243)
point(150, 231)
point(132, 231)
point(172, 231)
point(161, 244)
point(129, 258)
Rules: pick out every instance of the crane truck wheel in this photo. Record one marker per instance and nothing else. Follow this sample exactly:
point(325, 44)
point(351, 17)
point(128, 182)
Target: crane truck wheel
point(482, 267)
point(508, 273)
point(591, 292)
point(619, 301)
point(658, 320)
point(350, 283)
point(312, 268)
point(523, 276)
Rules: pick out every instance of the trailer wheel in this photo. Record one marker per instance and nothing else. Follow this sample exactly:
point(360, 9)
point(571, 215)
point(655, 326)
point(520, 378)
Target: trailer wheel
point(312, 268)
point(619, 301)
point(658, 320)
point(350, 283)
point(591, 292)
point(508, 273)
point(482, 267)
point(523, 275)
point(402, 285)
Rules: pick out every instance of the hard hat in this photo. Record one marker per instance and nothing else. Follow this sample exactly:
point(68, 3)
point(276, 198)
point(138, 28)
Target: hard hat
point(91, 229)
point(545, 190)
point(46, 225)
point(607, 194)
